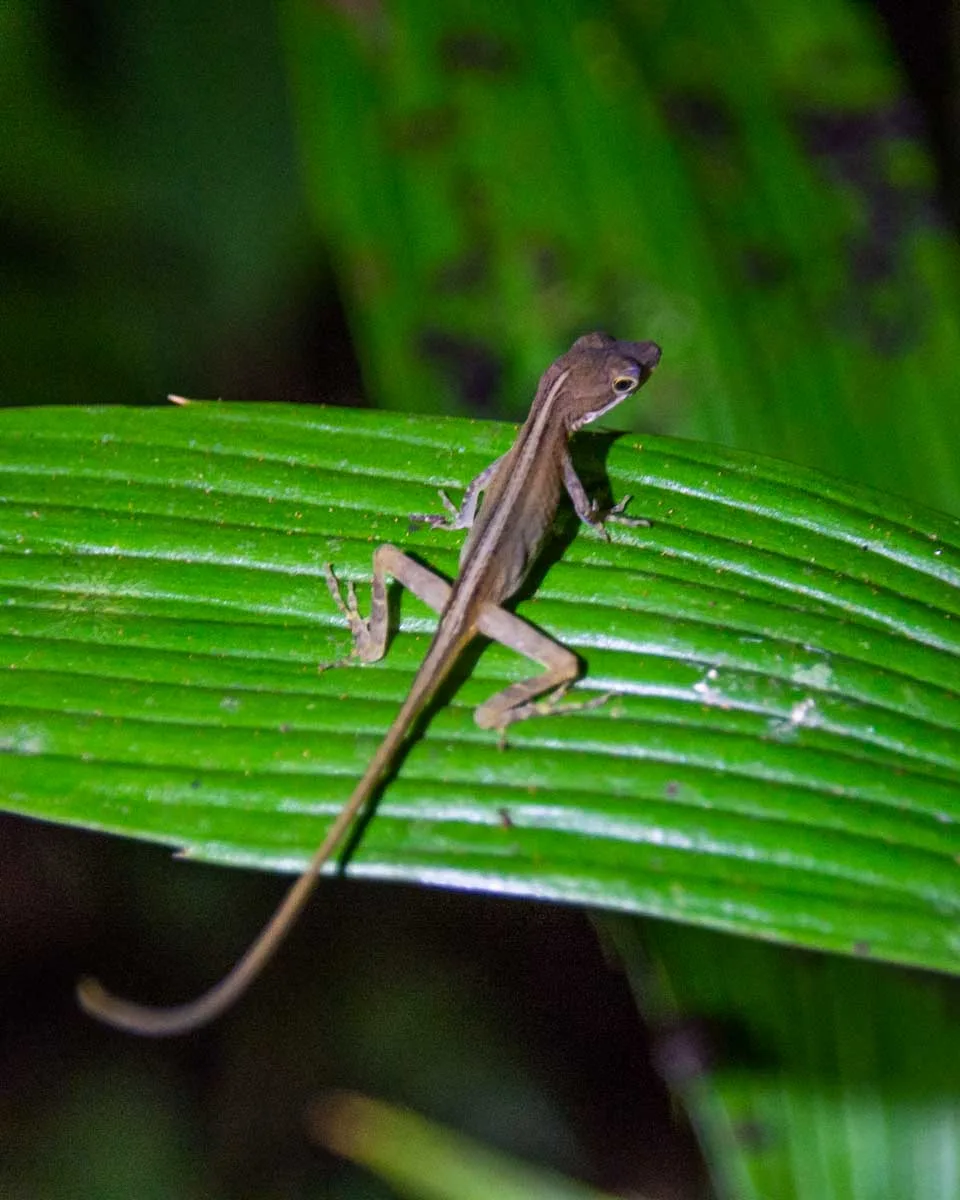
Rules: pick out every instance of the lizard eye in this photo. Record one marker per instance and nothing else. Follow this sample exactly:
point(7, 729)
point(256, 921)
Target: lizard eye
point(623, 384)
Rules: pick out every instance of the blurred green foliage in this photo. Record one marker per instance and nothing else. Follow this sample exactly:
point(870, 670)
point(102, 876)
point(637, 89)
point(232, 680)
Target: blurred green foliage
point(748, 184)
point(153, 217)
point(427, 1160)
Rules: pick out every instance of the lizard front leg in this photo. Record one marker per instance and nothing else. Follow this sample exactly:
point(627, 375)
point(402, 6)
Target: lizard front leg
point(589, 511)
point(462, 517)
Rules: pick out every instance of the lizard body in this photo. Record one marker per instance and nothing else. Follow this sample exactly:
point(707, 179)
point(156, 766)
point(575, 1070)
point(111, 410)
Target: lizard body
point(521, 492)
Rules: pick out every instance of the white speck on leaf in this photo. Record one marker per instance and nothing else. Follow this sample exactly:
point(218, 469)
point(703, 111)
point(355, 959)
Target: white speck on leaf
point(22, 739)
point(705, 689)
point(818, 676)
point(804, 712)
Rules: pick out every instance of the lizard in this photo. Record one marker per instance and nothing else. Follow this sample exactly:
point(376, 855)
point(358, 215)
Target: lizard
point(520, 492)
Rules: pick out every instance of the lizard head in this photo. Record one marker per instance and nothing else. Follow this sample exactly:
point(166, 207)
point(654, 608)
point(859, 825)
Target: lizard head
point(597, 372)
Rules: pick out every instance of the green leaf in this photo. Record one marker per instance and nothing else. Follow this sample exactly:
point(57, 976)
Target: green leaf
point(806, 1077)
point(421, 1158)
point(749, 188)
point(781, 756)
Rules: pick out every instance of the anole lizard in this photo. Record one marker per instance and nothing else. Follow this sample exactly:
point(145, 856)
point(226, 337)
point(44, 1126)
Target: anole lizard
point(521, 492)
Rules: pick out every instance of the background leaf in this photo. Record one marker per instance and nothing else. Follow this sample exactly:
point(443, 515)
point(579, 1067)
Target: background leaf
point(781, 757)
point(803, 1072)
point(428, 1161)
point(749, 187)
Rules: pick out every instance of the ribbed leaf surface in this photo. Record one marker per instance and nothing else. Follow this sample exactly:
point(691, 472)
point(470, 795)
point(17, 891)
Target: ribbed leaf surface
point(781, 758)
point(811, 1078)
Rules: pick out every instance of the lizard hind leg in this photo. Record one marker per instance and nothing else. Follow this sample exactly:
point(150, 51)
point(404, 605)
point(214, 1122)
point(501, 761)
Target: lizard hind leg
point(370, 642)
point(370, 633)
point(519, 701)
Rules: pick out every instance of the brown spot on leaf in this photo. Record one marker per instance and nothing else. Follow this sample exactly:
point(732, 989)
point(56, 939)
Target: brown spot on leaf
point(465, 274)
point(471, 369)
point(424, 130)
point(479, 51)
point(886, 296)
point(703, 116)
